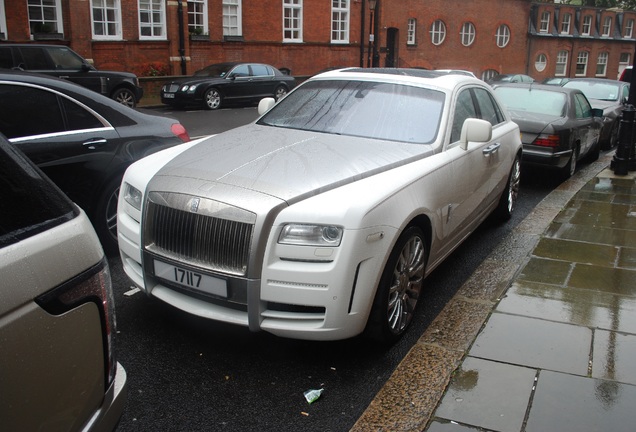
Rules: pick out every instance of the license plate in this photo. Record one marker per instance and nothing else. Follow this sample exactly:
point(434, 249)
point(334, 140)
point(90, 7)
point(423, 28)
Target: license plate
point(190, 279)
point(168, 95)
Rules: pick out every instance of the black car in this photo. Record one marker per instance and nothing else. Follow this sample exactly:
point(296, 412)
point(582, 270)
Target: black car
point(62, 62)
point(221, 83)
point(608, 95)
point(83, 141)
point(558, 125)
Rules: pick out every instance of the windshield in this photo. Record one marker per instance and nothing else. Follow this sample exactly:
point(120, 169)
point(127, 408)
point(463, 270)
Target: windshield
point(216, 70)
point(365, 109)
point(594, 90)
point(532, 100)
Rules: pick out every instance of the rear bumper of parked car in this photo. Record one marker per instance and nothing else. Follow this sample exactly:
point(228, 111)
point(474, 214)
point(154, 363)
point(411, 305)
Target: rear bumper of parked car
point(545, 158)
point(108, 416)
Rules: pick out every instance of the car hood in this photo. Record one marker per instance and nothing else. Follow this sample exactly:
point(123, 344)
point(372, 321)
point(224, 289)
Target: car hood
point(285, 163)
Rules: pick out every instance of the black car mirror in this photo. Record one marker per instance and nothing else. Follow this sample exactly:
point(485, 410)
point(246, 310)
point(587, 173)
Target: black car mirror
point(597, 112)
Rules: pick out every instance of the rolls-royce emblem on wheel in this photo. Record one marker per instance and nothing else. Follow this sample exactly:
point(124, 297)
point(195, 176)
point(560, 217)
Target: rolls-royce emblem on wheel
point(194, 205)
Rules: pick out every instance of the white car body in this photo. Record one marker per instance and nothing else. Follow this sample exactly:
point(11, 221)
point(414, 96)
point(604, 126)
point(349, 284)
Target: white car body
point(270, 180)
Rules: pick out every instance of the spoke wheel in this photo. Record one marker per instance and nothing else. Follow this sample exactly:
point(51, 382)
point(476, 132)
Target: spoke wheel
point(105, 216)
point(281, 91)
point(125, 97)
point(400, 287)
point(212, 99)
point(508, 200)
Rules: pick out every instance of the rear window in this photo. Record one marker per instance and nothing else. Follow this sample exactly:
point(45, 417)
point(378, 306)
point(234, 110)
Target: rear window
point(533, 100)
point(386, 111)
point(31, 203)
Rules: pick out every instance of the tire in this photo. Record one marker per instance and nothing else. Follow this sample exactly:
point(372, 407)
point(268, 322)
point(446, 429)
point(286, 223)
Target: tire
point(125, 97)
point(212, 99)
point(594, 153)
point(400, 287)
point(570, 168)
point(613, 137)
point(280, 92)
point(508, 200)
point(105, 216)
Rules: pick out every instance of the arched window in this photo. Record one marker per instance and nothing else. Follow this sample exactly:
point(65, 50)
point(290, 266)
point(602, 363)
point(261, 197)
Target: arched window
point(467, 34)
point(503, 35)
point(438, 32)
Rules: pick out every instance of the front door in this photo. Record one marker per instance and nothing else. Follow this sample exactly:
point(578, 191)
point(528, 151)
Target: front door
point(392, 47)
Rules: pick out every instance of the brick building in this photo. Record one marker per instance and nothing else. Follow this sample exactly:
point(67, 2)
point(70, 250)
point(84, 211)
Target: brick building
point(173, 37)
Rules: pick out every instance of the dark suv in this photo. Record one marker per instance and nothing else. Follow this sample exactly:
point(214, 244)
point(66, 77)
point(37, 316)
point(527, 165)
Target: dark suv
point(62, 62)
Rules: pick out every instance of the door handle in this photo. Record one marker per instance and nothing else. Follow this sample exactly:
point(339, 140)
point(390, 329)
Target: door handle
point(493, 148)
point(93, 144)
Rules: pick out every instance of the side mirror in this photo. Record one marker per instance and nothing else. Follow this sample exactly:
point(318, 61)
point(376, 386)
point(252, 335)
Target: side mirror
point(265, 105)
point(476, 130)
point(597, 112)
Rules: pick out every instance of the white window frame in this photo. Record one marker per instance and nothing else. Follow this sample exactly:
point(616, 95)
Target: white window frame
point(293, 21)
point(114, 6)
point(438, 32)
point(565, 23)
point(411, 29)
point(467, 34)
point(601, 64)
point(232, 17)
point(629, 29)
point(3, 21)
point(541, 62)
point(502, 36)
point(607, 26)
point(198, 16)
point(58, 14)
point(586, 28)
point(562, 61)
point(581, 59)
point(340, 17)
point(154, 9)
point(544, 24)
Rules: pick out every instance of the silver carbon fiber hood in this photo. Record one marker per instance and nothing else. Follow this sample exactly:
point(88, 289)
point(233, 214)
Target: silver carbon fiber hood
point(284, 163)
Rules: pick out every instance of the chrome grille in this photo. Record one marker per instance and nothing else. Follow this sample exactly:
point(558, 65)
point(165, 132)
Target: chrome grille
point(172, 88)
point(210, 242)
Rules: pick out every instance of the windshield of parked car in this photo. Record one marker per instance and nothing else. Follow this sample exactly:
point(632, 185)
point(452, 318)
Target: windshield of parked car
point(216, 70)
point(532, 100)
point(360, 108)
point(596, 90)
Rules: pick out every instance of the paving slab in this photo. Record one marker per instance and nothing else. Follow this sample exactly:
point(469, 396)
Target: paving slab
point(568, 403)
point(488, 394)
point(535, 343)
point(613, 357)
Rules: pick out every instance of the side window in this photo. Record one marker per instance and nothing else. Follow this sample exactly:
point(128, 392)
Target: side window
point(65, 59)
point(241, 71)
point(6, 58)
point(464, 109)
point(260, 70)
point(488, 108)
point(27, 111)
point(35, 59)
point(583, 108)
point(77, 117)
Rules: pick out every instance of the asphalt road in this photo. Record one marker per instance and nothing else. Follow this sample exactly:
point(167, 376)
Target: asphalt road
point(189, 374)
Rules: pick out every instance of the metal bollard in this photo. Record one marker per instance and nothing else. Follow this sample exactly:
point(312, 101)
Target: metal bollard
point(620, 162)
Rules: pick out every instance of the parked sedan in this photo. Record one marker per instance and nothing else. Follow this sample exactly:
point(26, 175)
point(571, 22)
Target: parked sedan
point(83, 141)
point(558, 125)
point(321, 219)
point(608, 95)
point(510, 78)
point(223, 83)
point(58, 369)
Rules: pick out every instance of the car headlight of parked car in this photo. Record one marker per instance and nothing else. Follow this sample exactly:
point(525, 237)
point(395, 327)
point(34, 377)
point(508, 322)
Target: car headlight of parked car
point(310, 235)
point(188, 88)
point(133, 196)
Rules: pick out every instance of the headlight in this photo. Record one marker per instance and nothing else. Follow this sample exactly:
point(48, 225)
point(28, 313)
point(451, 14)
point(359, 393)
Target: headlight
point(311, 235)
point(133, 196)
point(188, 88)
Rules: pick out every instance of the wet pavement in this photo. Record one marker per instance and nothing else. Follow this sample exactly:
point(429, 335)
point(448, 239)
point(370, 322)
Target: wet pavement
point(542, 337)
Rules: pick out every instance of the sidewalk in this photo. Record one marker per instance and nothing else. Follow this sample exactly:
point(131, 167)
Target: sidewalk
point(557, 348)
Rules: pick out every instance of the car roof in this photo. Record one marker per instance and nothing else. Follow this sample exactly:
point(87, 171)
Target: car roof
point(599, 80)
point(426, 77)
point(546, 87)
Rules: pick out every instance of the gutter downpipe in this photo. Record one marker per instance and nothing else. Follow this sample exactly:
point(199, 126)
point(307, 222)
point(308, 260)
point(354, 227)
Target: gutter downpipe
point(364, 8)
point(181, 37)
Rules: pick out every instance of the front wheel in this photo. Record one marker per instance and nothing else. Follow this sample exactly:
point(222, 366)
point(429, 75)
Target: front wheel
point(212, 99)
point(570, 168)
point(400, 287)
point(508, 200)
point(125, 97)
point(105, 216)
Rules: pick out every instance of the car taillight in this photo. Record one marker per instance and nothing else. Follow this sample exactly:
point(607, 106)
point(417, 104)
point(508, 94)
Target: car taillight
point(547, 141)
point(180, 132)
point(93, 285)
